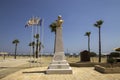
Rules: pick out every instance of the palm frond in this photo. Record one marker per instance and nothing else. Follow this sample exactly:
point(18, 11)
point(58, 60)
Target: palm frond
point(15, 41)
point(53, 26)
point(98, 23)
point(87, 33)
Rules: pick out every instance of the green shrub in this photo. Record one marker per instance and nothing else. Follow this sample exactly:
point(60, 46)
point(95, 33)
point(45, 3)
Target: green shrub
point(93, 54)
point(114, 54)
point(111, 61)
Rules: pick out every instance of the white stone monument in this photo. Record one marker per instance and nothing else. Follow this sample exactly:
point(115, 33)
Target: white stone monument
point(59, 65)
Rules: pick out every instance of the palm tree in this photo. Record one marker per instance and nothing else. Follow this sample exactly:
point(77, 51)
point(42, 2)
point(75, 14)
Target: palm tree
point(98, 25)
point(40, 46)
point(53, 27)
point(88, 35)
point(37, 44)
point(16, 41)
point(32, 44)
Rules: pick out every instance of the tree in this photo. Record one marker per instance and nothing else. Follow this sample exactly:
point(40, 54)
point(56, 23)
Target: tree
point(111, 61)
point(32, 44)
point(98, 25)
point(75, 55)
point(117, 49)
point(53, 27)
point(40, 46)
point(37, 45)
point(88, 35)
point(114, 54)
point(93, 54)
point(16, 41)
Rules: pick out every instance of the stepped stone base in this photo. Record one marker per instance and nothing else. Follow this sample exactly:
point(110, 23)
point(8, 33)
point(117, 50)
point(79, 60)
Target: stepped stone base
point(59, 71)
point(59, 67)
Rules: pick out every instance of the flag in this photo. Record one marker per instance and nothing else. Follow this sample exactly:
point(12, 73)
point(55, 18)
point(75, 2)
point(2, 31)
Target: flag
point(30, 22)
point(26, 25)
point(35, 21)
point(40, 22)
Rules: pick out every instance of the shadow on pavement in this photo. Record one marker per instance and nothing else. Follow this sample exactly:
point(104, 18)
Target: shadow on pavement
point(35, 72)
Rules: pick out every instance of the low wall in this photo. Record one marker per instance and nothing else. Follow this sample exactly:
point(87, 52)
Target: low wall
point(107, 70)
point(85, 64)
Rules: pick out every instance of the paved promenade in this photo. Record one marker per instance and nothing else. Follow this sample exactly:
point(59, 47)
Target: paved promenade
point(13, 62)
point(82, 73)
point(10, 66)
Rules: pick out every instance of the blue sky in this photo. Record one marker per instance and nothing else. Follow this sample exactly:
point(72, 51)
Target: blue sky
point(78, 15)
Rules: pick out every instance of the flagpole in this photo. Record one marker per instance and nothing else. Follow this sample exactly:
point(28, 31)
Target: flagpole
point(33, 36)
point(32, 39)
point(31, 46)
point(42, 39)
point(39, 42)
point(38, 31)
point(34, 23)
point(42, 36)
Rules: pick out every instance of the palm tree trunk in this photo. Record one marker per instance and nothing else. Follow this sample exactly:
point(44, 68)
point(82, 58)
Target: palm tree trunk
point(37, 48)
point(89, 43)
point(33, 51)
point(99, 44)
point(54, 42)
point(15, 51)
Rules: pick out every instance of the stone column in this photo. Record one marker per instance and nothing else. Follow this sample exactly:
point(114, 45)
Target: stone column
point(59, 65)
point(59, 50)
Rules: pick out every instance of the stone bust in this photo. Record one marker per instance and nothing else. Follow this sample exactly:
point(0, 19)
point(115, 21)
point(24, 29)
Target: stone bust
point(59, 21)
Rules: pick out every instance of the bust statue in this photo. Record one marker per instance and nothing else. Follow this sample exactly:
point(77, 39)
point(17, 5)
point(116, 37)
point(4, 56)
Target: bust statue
point(59, 21)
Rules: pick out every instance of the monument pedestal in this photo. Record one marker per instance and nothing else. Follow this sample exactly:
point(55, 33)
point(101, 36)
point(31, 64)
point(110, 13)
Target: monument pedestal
point(59, 65)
